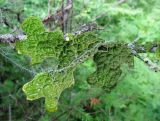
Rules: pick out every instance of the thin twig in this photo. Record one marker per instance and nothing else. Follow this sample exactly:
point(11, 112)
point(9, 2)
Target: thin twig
point(153, 66)
point(49, 7)
point(16, 64)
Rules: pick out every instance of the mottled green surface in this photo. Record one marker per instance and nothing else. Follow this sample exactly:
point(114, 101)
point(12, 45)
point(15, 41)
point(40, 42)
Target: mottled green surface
point(75, 47)
point(40, 46)
point(108, 61)
point(43, 85)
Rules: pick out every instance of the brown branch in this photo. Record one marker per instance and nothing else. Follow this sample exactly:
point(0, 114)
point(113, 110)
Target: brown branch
point(49, 7)
point(61, 15)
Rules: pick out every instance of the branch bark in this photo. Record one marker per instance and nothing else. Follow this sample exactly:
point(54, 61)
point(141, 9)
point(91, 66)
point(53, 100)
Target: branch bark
point(10, 38)
point(61, 15)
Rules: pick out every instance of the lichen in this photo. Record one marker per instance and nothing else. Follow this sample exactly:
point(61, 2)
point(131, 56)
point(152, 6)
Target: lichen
point(40, 46)
point(43, 85)
point(108, 61)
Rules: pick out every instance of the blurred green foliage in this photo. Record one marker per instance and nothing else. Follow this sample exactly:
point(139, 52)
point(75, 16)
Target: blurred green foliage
point(135, 98)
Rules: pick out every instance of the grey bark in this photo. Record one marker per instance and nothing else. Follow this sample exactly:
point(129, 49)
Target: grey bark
point(11, 38)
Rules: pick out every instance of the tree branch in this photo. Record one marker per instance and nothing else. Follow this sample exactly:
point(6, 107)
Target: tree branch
point(148, 47)
point(10, 38)
point(60, 15)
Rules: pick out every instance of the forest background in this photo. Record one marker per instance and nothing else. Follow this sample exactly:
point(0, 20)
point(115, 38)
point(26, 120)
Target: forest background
point(136, 97)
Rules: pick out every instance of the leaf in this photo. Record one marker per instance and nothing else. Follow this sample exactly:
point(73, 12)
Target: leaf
point(43, 85)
